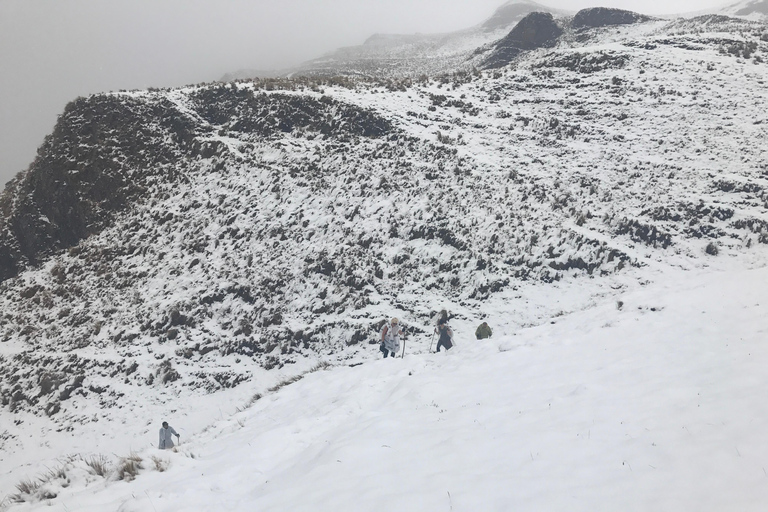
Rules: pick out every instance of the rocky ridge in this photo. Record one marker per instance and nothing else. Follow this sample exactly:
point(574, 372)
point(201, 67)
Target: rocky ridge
point(540, 30)
point(596, 17)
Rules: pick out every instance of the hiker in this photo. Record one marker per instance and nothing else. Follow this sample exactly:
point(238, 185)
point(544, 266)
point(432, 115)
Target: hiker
point(166, 441)
point(483, 331)
point(445, 334)
point(390, 338)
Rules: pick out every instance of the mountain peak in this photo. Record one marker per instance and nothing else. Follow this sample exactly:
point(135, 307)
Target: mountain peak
point(513, 11)
point(536, 30)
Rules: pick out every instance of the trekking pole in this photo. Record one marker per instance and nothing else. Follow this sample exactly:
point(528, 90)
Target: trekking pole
point(431, 341)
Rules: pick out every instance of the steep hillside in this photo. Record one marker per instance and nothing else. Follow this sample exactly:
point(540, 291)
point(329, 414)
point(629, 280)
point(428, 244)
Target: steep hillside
point(171, 244)
point(541, 30)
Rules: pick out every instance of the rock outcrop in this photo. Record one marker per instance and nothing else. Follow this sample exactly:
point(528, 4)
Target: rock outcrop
point(596, 17)
point(537, 30)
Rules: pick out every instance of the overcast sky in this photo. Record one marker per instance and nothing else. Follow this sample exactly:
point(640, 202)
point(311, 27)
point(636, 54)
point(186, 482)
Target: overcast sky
point(52, 51)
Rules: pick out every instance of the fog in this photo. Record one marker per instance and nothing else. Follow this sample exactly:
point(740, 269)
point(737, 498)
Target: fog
point(52, 51)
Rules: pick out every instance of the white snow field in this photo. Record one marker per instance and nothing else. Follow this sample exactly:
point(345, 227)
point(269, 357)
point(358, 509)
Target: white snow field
point(657, 405)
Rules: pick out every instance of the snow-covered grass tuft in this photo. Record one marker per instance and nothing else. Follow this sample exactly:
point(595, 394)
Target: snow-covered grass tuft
point(128, 467)
point(27, 487)
point(322, 365)
point(160, 464)
point(99, 465)
point(44, 487)
point(286, 382)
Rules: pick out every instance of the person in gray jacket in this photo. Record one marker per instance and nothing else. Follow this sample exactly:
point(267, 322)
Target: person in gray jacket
point(166, 441)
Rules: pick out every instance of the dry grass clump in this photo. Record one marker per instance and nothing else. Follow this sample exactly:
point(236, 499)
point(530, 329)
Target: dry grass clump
point(322, 365)
point(160, 464)
point(128, 467)
point(32, 490)
point(99, 465)
point(285, 382)
point(26, 487)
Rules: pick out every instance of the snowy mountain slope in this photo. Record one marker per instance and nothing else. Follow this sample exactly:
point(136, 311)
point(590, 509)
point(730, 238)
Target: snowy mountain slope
point(656, 405)
point(532, 26)
point(412, 55)
point(293, 216)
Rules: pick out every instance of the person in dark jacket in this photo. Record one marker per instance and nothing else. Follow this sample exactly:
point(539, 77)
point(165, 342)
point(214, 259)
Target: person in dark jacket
point(166, 441)
point(444, 332)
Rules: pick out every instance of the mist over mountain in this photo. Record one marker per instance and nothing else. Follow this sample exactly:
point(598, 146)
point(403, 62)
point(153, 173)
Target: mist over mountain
point(750, 9)
point(509, 14)
point(168, 247)
point(410, 55)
